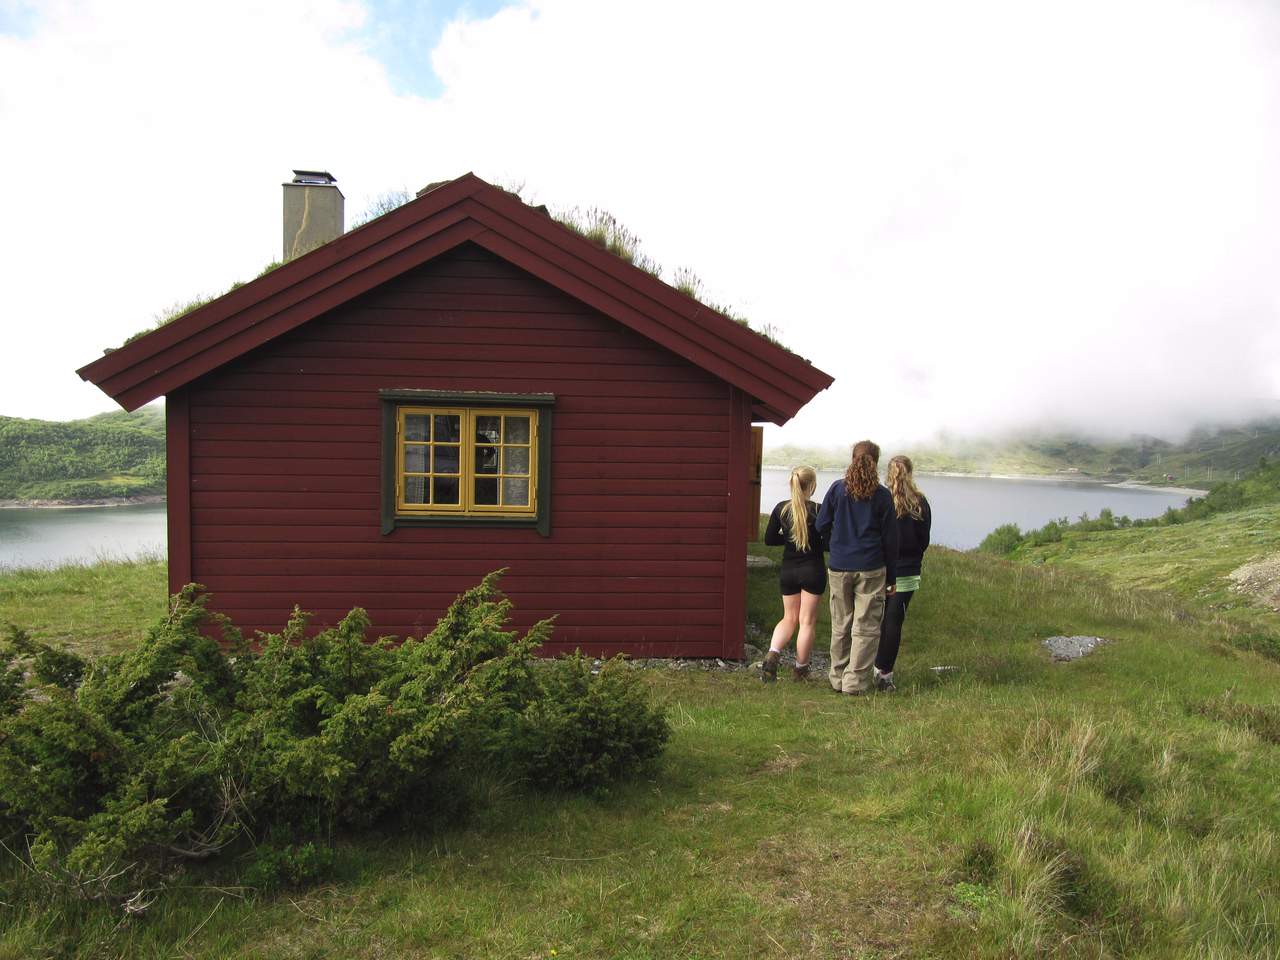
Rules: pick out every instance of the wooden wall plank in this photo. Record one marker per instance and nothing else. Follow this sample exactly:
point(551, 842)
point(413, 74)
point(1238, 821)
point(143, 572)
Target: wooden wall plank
point(735, 541)
point(178, 488)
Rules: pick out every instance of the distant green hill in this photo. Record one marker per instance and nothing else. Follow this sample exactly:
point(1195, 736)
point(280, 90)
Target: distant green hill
point(110, 455)
point(1203, 459)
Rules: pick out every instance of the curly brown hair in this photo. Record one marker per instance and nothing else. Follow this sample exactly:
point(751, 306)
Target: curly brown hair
point(861, 478)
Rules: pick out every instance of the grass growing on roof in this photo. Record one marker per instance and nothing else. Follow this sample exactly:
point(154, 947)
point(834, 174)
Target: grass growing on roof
point(181, 308)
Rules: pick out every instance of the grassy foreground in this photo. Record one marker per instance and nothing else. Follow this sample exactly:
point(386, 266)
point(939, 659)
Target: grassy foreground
point(1123, 805)
point(91, 608)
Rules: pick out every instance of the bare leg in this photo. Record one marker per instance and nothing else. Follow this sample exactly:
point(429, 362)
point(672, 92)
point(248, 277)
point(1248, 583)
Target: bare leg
point(808, 625)
point(787, 625)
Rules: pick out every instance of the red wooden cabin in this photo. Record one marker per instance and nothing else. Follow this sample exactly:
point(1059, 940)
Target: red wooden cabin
point(461, 385)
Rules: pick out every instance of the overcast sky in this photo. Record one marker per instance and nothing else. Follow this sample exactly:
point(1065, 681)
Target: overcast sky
point(975, 215)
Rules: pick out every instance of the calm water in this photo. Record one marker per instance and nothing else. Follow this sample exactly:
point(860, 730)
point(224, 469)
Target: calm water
point(48, 537)
point(966, 509)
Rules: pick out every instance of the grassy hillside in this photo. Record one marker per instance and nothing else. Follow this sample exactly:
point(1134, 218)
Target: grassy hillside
point(1193, 561)
point(1205, 457)
point(1123, 805)
point(1220, 552)
point(110, 455)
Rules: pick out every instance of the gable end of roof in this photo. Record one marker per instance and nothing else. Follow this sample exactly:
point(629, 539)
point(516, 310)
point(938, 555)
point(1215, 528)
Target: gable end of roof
point(441, 218)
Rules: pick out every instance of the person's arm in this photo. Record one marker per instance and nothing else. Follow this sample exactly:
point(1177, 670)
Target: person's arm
point(773, 533)
point(927, 522)
point(826, 517)
point(889, 543)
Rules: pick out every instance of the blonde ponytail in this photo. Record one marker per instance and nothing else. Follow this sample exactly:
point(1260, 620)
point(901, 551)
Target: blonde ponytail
point(796, 510)
point(907, 499)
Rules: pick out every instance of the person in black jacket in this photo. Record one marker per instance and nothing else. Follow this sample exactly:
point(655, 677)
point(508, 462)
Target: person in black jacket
point(913, 521)
point(803, 578)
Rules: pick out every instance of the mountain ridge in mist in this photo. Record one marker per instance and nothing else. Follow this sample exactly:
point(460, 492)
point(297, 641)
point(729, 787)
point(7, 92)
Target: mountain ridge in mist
point(1204, 455)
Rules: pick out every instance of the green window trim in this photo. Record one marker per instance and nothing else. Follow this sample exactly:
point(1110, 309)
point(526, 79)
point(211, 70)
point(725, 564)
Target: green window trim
point(406, 419)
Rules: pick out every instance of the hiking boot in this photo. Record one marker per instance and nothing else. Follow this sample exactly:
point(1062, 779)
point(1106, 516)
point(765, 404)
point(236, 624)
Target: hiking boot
point(769, 669)
point(884, 682)
point(800, 673)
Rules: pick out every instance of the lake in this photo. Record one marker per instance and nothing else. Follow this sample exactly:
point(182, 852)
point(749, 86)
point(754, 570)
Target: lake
point(965, 509)
point(56, 535)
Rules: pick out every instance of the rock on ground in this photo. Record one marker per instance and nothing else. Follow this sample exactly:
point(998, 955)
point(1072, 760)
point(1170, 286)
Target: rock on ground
point(1072, 648)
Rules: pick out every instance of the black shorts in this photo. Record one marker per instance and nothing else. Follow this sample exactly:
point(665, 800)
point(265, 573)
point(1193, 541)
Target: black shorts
point(811, 577)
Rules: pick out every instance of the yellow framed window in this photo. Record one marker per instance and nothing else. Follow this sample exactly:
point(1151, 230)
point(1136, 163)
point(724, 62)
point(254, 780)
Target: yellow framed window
point(454, 461)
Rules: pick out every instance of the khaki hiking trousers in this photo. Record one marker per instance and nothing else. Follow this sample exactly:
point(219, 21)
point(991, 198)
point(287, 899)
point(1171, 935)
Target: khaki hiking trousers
point(857, 607)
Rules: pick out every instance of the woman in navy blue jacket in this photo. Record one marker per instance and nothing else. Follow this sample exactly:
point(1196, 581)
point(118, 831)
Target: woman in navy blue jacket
point(857, 521)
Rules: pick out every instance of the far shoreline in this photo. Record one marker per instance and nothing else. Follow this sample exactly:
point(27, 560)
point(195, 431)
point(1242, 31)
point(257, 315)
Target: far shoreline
point(149, 499)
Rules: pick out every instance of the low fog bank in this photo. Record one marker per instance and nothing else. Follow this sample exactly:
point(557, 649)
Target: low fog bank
point(1259, 421)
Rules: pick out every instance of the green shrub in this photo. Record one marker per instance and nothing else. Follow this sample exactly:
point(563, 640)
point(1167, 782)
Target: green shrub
point(293, 866)
point(118, 770)
point(1002, 541)
point(342, 731)
point(586, 730)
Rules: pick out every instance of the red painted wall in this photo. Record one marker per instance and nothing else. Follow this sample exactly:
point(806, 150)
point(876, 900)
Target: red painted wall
point(649, 470)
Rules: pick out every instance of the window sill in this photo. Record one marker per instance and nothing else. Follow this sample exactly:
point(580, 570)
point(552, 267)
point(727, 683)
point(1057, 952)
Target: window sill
point(393, 523)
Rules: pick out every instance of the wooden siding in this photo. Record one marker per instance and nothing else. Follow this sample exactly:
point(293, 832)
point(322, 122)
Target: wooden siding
point(646, 543)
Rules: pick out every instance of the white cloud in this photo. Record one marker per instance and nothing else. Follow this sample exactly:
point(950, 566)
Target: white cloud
point(974, 215)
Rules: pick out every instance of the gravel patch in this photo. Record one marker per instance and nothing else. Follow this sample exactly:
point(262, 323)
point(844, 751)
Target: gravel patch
point(1064, 649)
point(753, 656)
point(1260, 580)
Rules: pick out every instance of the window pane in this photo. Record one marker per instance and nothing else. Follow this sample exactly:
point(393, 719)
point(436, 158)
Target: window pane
point(448, 429)
point(515, 459)
point(489, 429)
point(416, 427)
point(516, 430)
point(415, 489)
point(487, 491)
point(446, 460)
point(446, 489)
point(415, 458)
point(515, 492)
point(486, 459)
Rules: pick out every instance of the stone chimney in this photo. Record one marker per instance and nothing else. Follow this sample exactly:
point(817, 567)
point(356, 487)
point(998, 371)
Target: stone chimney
point(312, 212)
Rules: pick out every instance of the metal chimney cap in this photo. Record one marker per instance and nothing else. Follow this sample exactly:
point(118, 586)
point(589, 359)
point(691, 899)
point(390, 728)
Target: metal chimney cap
point(315, 177)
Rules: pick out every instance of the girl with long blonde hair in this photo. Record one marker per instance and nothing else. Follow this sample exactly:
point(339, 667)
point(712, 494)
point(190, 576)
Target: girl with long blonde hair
point(803, 576)
point(857, 522)
point(913, 519)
